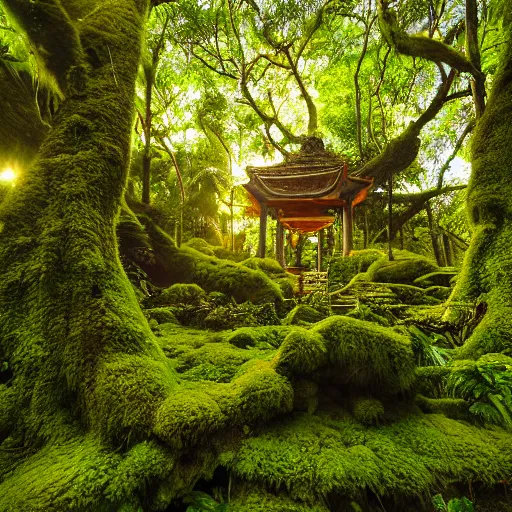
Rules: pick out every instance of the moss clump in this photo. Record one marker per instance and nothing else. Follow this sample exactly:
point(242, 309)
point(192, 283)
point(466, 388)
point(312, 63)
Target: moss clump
point(455, 408)
point(191, 414)
point(403, 270)
point(200, 245)
point(217, 362)
point(186, 265)
point(265, 337)
point(301, 353)
point(252, 498)
point(161, 315)
point(127, 391)
point(303, 314)
point(182, 294)
point(407, 293)
point(363, 312)
point(268, 265)
point(368, 411)
point(368, 356)
point(342, 270)
point(315, 455)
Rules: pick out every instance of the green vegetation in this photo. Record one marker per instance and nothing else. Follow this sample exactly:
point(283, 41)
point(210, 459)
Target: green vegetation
point(150, 362)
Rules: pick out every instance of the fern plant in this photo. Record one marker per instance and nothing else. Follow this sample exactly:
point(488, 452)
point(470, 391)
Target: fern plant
point(455, 505)
point(202, 502)
point(487, 384)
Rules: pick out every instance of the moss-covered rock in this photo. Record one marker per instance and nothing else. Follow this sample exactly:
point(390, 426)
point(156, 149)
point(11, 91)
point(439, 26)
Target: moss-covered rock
point(305, 395)
point(193, 414)
point(303, 314)
point(161, 315)
point(182, 294)
point(368, 356)
point(403, 270)
point(301, 353)
point(186, 265)
point(268, 265)
point(269, 336)
point(342, 270)
point(368, 411)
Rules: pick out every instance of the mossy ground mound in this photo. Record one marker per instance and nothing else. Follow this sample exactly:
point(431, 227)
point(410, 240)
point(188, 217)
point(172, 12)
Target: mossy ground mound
point(187, 265)
point(313, 457)
point(367, 355)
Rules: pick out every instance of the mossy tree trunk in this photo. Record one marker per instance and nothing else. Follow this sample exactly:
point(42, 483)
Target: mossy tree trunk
point(68, 314)
point(91, 414)
point(486, 277)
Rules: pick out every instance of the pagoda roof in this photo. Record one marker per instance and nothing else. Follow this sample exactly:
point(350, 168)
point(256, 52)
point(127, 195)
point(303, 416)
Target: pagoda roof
point(307, 187)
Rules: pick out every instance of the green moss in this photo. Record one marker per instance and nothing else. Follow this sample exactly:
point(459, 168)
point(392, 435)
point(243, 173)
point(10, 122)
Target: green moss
point(217, 362)
point(301, 353)
point(200, 245)
point(252, 498)
point(455, 408)
point(267, 265)
point(303, 314)
point(127, 391)
point(403, 270)
point(343, 270)
point(312, 456)
point(186, 265)
point(439, 292)
point(161, 315)
point(190, 415)
point(268, 336)
point(368, 411)
point(408, 294)
point(368, 356)
point(363, 312)
point(182, 294)
point(441, 278)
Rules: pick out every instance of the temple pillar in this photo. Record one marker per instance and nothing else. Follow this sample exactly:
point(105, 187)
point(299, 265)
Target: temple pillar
point(347, 228)
point(320, 242)
point(280, 243)
point(262, 244)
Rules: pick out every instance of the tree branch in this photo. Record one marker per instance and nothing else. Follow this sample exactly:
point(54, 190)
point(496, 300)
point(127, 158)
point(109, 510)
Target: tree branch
point(420, 46)
point(51, 33)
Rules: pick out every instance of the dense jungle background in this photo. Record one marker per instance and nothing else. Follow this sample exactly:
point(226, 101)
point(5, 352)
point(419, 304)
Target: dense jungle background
point(150, 361)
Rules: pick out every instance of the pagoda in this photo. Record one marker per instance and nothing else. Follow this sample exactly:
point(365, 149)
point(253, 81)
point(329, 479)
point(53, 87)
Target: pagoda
point(304, 193)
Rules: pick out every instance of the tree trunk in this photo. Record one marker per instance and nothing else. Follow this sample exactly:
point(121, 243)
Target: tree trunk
point(91, 404)
point(433, 236)
point(486, 278)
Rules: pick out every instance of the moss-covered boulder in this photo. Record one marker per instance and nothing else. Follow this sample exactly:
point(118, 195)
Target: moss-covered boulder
point(161, 315)
point(268, 265)
point(301, 353)
point(200, 245)
point(368, 411)
point(342, 270)
point(266, 336)
point(404, 269)
point(316, 456)
point(367, 355)
point(182, 294)
point(303, 314)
